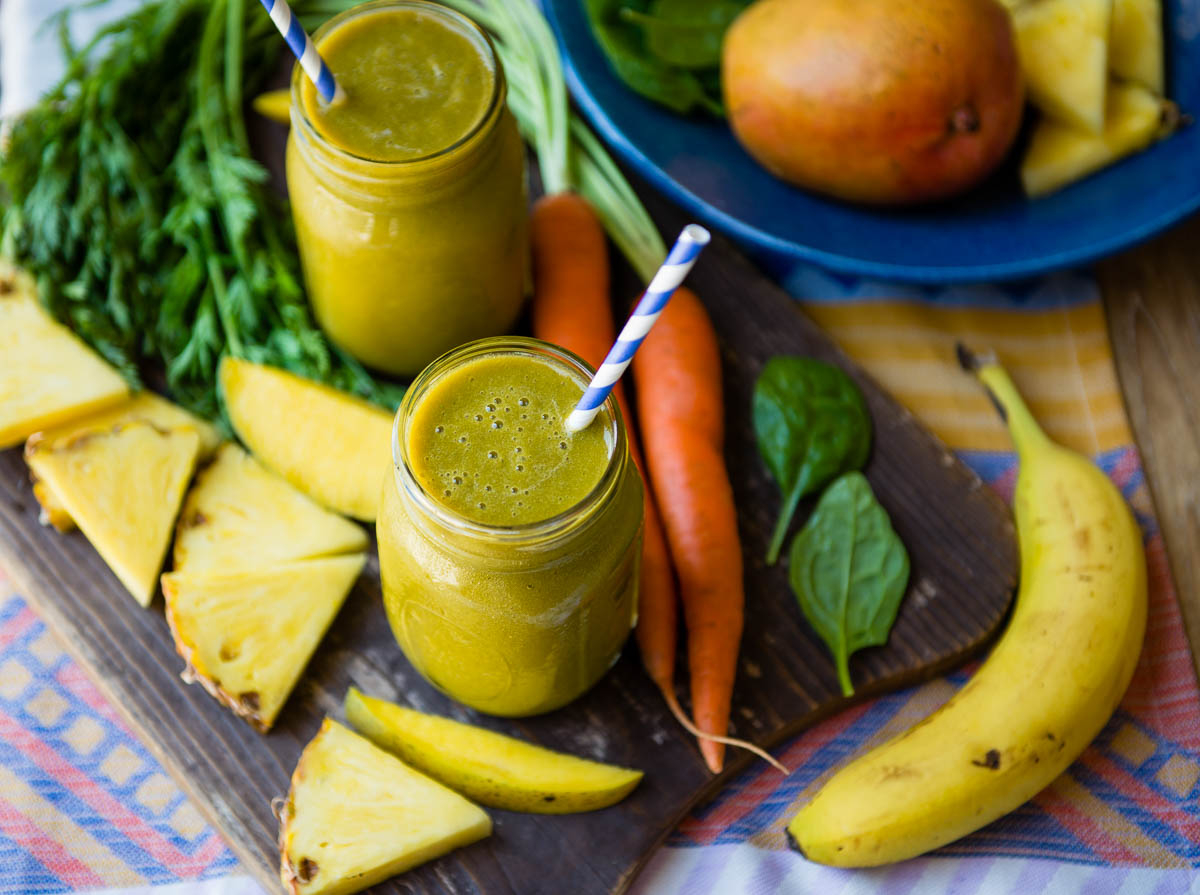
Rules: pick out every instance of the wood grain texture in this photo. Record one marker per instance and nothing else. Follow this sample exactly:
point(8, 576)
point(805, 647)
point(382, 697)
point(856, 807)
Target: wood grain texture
point(964, 566)
point(1153, 299)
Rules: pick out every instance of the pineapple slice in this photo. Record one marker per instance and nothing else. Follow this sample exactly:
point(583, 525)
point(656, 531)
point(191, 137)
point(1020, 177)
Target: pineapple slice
point(239, 515)
point(1063, 46)
point(356, 815)
point(1059, 154)
point(145, 405)
point(489, 767)
point(274, 105)
point(48, 374)
point(332, 446)
point(1135, 50)
point(123, 488)
point(246, 635)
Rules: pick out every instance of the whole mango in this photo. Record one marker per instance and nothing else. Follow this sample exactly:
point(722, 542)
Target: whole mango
point(874, 100)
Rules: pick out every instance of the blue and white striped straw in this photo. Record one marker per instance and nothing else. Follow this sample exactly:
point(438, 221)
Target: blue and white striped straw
point(305, 50)
point(679, 261)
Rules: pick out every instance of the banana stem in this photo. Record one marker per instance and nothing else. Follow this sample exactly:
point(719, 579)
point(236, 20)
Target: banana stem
point(1027, 435)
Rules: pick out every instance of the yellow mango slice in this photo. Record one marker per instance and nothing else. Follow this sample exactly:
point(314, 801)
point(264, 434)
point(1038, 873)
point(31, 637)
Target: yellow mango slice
point(489, 767)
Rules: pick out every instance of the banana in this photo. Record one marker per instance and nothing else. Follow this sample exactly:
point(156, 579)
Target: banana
point(1051, 683)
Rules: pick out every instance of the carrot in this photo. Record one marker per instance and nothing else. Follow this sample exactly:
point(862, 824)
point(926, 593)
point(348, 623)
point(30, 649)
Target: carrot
point(571, 308)
point(677, 373)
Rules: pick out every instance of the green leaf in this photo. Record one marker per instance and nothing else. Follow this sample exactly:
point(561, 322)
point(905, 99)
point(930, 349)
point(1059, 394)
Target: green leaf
point(812, 425)
point(686, 33)
point(849, 570)
point(676, 88)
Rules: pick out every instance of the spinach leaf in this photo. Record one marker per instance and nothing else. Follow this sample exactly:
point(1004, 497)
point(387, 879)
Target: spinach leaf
point(812, 424)
point(623, 44)
point(849, 571)
point(686, 33)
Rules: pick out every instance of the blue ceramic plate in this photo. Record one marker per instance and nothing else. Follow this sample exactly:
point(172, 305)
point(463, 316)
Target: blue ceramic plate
point(992, 233)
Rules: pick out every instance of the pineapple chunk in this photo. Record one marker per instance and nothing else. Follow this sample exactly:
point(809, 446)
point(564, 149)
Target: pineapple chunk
point(145, 405)
point(275, 105)
point(123, 487)
point(489, 767)
point(240, 515)
point(356, 815)
point(48, 374)
point(332, 446)
point(1059, 154)
point(1063, 46)
point(1135, 50)
point(246, 635)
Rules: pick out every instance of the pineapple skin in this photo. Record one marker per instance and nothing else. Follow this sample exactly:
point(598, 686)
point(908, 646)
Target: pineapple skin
point(488, 767)
point(332, 813)
point(48, 375)
point(334, 447)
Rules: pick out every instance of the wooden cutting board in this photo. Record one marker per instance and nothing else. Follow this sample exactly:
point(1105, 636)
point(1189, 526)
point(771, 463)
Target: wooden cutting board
point(964, 568)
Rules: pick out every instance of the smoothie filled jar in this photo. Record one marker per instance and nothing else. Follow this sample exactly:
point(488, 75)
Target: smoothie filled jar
point(409, 196)
point(509, 549)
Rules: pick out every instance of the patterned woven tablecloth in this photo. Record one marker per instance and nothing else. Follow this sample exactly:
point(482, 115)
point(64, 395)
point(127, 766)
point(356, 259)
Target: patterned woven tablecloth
point(84, 806)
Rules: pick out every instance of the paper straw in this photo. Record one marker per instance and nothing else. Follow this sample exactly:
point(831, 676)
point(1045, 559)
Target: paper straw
point(304, 49)
point(679, 261)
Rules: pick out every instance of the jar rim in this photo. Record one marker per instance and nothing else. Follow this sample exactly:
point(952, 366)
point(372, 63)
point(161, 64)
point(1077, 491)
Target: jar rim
point(561, 523)
point(469, 27)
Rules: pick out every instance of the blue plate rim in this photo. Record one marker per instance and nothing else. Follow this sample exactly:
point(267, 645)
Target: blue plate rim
point(840, 263)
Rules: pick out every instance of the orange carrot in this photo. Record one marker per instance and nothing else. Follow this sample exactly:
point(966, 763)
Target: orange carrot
point(677, 373)
point(571, 308)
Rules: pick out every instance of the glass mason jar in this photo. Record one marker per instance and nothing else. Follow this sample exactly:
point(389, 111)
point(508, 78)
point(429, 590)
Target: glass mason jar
point(404, 260)
point(511, 620)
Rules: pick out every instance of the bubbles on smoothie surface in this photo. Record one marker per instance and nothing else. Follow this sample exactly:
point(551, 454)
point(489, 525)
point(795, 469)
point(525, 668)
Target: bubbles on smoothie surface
point(464, 455)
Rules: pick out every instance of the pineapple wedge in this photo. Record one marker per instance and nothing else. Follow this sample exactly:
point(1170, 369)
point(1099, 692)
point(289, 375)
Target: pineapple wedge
point(240, 515)
point(1063, 45)
point(48, 375)
point(355, 815)
point(145, 405)
point(1135, 50)
point(123, 487)
point(1059, 155)
point(246, 635)
point(489, 767)
point(332, 446)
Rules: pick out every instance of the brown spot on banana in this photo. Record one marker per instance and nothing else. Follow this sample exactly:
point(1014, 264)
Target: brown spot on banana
point(990, 760)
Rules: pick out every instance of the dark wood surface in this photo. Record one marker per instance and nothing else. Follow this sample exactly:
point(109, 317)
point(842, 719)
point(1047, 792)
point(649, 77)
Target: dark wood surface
point(964, 567)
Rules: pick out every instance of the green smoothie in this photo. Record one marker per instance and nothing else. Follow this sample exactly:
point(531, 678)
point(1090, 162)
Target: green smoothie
point(488, 441)
point(413, 85)
point(509, 550)
point(409, 195)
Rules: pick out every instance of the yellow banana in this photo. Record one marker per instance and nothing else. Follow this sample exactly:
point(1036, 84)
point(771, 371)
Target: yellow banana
point(1049, 686)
